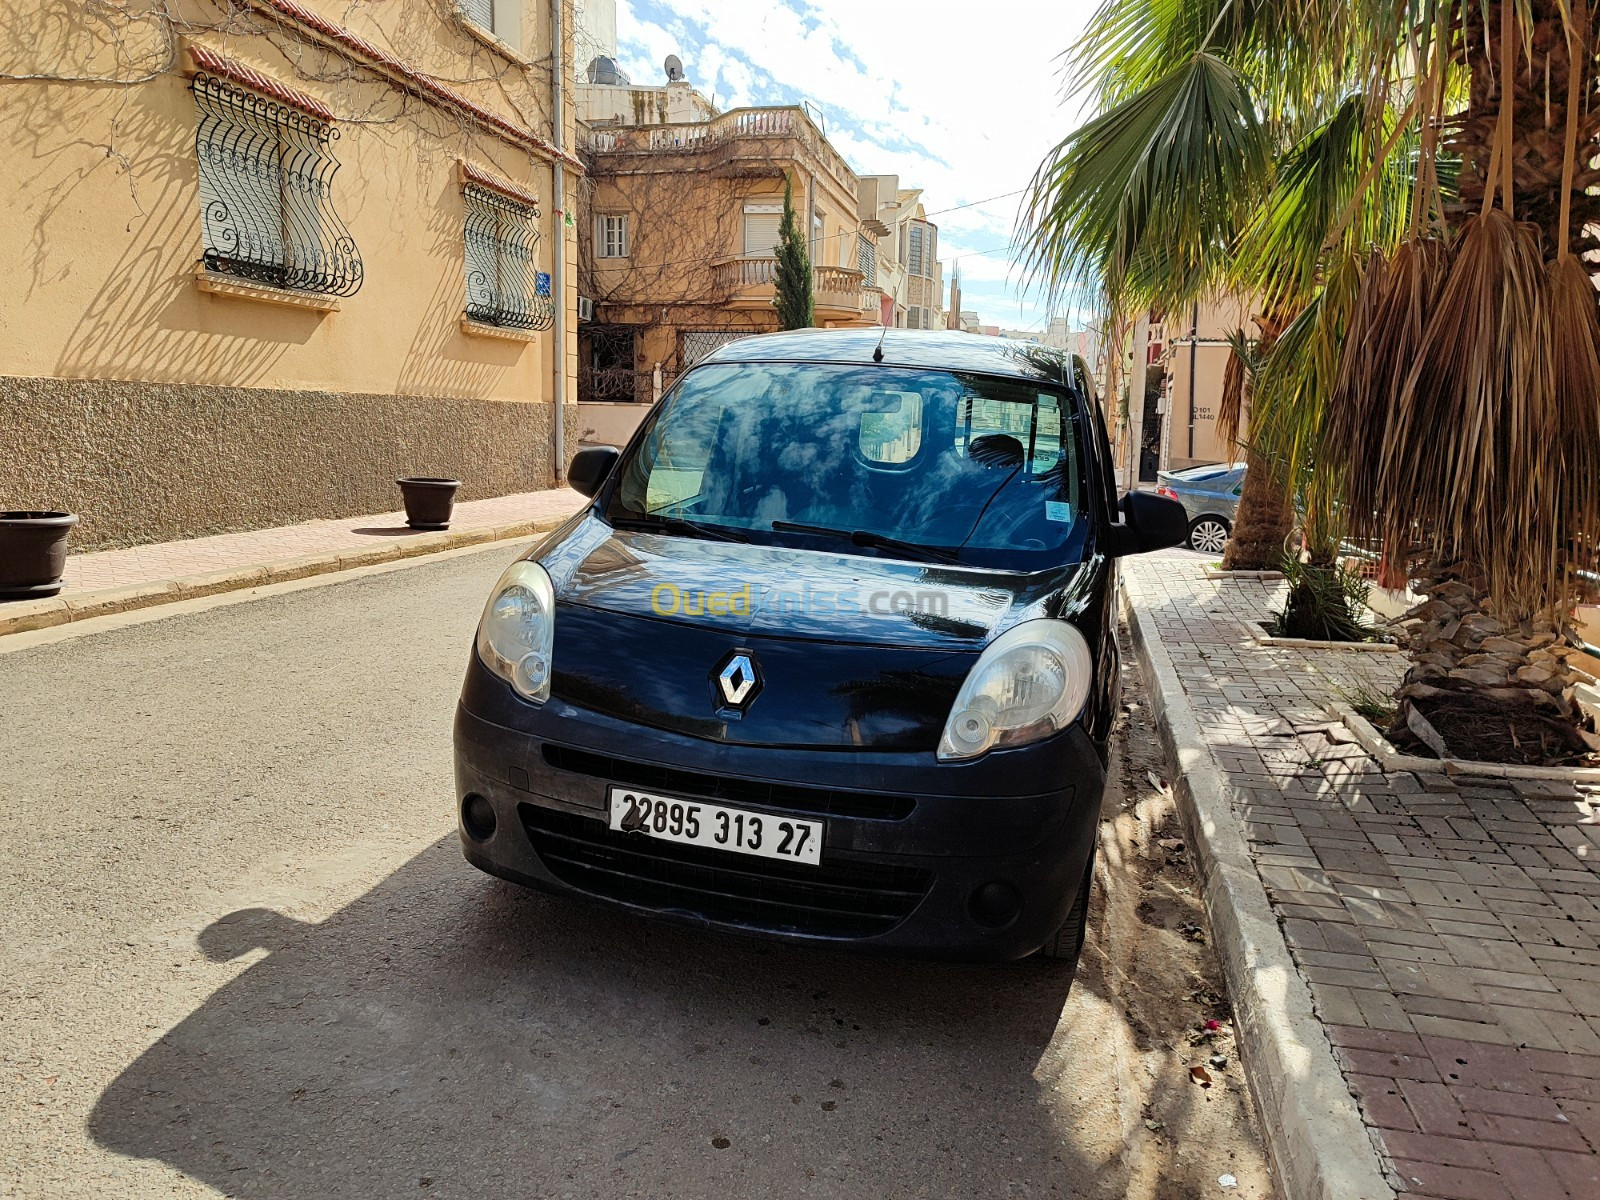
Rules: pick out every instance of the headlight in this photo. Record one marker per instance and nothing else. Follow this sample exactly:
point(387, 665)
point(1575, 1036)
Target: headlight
point(1032, 681)
point(517, 631)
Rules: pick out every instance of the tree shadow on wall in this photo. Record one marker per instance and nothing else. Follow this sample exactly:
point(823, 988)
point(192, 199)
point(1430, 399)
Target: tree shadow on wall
point(442, 361)
point(147, 320)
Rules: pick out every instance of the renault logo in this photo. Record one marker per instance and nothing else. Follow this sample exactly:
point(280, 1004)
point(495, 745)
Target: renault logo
point(738, 681)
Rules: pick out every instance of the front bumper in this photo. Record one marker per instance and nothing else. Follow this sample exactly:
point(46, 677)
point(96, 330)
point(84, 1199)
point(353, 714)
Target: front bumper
point(911, 850)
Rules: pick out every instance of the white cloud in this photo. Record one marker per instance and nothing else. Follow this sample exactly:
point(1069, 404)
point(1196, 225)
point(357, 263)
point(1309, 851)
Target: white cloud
point(958, 98)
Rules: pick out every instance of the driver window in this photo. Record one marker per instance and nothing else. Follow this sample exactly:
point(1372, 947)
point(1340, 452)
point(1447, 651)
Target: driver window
point(680, 459)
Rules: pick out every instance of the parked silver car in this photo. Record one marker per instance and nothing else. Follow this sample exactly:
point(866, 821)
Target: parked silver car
point(1210, 495)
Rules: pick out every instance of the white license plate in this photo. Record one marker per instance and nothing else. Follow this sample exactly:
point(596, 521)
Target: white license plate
point(696, 823)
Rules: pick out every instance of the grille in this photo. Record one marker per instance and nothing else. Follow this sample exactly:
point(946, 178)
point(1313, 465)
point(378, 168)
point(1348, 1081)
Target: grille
point(826, 802)
point(832, 900)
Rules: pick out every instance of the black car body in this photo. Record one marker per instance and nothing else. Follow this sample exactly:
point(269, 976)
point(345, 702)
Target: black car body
point(637, 710)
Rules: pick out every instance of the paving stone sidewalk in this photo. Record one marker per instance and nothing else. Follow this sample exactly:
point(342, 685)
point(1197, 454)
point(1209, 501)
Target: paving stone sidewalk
point(1449, 927)
point(173, 560)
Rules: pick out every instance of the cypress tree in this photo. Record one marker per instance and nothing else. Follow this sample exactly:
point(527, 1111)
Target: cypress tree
point(792, 276)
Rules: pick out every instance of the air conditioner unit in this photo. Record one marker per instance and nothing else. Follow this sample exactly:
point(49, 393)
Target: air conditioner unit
point(585, 309)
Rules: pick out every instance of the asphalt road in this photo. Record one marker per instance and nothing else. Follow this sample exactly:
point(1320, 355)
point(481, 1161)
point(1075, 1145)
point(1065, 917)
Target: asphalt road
point(243, 956)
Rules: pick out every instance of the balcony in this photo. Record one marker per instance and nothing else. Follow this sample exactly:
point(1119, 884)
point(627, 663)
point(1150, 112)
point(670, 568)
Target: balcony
point(746, 140)
point(841, 296)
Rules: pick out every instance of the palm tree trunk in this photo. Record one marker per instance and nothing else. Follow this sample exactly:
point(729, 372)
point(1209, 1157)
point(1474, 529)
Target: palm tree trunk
point(1483, 686)
point(1264, 520)
point(1486, 682)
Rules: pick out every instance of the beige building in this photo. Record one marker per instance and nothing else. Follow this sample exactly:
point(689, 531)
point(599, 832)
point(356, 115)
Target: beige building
point(1193, 347)
point(681, 211)
point(267, 255)
point(909, 273)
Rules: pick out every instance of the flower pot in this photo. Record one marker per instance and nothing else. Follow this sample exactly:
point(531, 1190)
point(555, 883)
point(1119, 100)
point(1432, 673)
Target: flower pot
point(33, 553)
point(429, 501)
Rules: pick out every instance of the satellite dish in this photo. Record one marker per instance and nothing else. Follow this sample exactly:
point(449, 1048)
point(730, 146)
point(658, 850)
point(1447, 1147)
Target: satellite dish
point(674, 67)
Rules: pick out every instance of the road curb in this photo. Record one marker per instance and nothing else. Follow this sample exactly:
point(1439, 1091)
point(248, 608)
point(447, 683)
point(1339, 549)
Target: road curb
point(60, 610)
point(1319, 1145)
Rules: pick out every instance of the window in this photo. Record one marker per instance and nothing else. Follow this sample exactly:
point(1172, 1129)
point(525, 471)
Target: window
point(502, 18)
point(611, 235)
point(987, 469)
point(867, 260)
point(761, 222)
point(266, 188)
point(479, 12)
point(891, 428)
point(922, 249)
point(817, 239)
point(504, 284)
point(1035, 426)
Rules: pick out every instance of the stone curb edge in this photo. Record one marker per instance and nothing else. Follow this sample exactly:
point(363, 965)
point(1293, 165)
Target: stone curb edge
point(1319, 1146)
point(59, 610)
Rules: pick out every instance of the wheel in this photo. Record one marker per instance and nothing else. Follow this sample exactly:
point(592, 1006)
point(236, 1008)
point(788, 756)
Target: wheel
point(1208, 535)
point(1066, 943)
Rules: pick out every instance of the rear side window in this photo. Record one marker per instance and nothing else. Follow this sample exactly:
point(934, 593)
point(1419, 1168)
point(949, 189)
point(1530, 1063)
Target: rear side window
point(1032, 418)
point(890, 433)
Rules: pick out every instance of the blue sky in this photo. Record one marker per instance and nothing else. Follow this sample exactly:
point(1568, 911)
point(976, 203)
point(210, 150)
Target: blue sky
point(959, 99)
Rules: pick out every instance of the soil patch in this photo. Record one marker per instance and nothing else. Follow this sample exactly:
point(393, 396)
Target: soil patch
point(1488, 730)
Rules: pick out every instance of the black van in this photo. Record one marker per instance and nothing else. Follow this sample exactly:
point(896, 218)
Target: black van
point(829, 658)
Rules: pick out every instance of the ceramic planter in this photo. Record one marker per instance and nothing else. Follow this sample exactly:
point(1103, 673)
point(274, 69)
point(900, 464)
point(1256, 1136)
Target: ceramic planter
point(33, 552)
point(429, 502)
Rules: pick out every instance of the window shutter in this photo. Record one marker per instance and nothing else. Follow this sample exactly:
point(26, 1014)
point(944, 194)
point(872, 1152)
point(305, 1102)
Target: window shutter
point(867, 260)
point(479, 12)
point(761, 234)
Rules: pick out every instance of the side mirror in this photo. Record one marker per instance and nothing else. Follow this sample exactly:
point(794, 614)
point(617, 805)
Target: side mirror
point(590, 467)
point(1152, 523)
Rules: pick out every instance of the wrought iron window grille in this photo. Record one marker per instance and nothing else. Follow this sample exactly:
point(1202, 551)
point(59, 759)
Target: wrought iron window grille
point(266, 192)
point(504, 285)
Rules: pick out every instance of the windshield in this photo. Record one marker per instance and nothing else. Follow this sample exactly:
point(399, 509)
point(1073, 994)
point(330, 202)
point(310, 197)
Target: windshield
point(985, 471)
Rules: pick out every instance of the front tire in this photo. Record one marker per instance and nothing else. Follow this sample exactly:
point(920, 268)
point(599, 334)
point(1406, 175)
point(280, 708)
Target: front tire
point(1066, 944)
point(1208, 535)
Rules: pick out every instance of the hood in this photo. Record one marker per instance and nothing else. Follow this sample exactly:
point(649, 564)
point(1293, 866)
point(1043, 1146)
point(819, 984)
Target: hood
point(851, 651)
point(766, 590)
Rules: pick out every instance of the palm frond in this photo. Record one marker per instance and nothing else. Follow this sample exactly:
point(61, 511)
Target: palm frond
point(1151, 191)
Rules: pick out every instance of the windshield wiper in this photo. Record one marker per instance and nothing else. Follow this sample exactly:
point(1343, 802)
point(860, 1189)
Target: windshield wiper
point(870, 540)
point(660, 524)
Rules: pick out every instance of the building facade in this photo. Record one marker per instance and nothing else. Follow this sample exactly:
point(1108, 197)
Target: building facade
point(909, 273)
point(1194, 349)
point(272, 254)
point(681, 212)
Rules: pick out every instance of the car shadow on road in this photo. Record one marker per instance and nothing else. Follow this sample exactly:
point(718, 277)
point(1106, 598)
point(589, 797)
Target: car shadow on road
point(451, 1035)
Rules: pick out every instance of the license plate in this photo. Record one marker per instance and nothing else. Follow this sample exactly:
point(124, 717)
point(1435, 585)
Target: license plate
point(696, 823)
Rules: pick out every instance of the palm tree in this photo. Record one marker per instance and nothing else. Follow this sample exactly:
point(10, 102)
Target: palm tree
point(1405, 187)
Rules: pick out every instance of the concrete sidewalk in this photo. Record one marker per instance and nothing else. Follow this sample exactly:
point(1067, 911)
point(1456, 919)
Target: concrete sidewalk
point(1446, 926)
point(116, 580)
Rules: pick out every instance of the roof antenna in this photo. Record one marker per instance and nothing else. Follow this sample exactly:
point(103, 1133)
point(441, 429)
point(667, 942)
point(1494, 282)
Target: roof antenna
point(877, 351)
